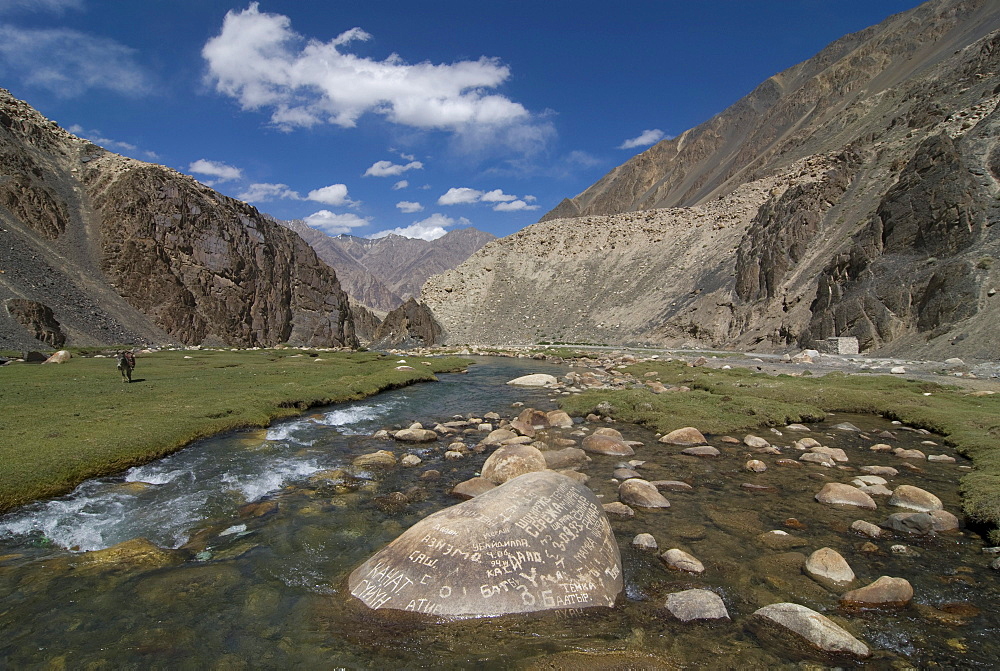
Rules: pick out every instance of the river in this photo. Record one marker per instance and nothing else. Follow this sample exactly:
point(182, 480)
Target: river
point(261, 549)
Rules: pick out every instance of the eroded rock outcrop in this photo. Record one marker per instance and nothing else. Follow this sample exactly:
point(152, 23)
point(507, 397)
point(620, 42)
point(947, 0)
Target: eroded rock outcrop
point(124, 251)
point(210, 268)
point(410, 325)
point(848, 196)
point(38, 319)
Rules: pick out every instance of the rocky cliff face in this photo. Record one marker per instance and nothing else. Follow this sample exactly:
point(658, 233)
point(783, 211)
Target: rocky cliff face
point(409, 325)
point(358, 282)
point(119, 251)
point(843, 93)
point(853, 194)
point(382, 273)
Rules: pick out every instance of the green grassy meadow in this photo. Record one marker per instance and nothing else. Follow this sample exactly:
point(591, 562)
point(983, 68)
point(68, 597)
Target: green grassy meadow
point(730, 401)
point(63, 423)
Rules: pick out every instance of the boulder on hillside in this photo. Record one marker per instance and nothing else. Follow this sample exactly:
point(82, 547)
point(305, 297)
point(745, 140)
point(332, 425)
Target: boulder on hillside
point(491, 556)
point(62, 356)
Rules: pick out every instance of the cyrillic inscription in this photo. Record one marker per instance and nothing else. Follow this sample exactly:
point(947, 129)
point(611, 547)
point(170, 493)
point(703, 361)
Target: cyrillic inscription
point(540, 541)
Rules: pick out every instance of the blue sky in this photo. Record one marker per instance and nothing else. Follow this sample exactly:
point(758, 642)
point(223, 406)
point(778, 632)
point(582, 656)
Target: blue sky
point(410, 117)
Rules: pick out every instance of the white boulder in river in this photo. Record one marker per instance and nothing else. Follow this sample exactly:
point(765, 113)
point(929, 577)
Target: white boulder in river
point(827, 566)
point(538, 542)
point(805, 624)
point(535, 380)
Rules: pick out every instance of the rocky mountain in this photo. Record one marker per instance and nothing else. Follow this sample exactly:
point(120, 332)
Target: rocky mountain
point(409, 325)
point(382, 273)
point(100, 249)
point(851, 195)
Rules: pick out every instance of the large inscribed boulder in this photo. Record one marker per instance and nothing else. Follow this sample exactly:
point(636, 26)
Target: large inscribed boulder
point(540, 541)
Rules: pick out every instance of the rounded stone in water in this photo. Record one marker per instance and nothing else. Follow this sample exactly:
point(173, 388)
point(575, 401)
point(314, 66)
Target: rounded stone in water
point(538, 542)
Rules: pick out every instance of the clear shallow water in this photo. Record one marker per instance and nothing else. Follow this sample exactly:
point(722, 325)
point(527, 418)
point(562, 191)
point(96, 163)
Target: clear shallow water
point(264, 552)
point(165, 500)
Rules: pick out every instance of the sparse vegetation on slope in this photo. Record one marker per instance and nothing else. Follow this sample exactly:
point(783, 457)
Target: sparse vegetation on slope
point(728, 401)
point(66, 423)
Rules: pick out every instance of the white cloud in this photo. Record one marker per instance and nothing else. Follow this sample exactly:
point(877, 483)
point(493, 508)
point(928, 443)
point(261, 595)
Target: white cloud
point(261, 62)
point(513, 206)
point(97, 137)
point(496, 196)
point(257, 193)
point(409, 207)
point(335, 194)
point(644, 139)
point(223, 172)
point(459, 196)
point(401, 184)
point(335, 224)
point(390, 169)
point(68, 62)
point(431, 228)
point(504, 201)
point(54, 6)
point(482, 140)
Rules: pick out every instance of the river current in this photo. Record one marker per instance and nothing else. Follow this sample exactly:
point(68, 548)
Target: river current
point(263, 550)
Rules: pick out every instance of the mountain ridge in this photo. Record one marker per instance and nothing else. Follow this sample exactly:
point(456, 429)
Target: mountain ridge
point(829, 202)
point(97, 248)
point(712, 158)
point(382, 273)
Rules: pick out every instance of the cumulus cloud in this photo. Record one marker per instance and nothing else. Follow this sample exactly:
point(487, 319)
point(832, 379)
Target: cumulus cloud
point(431, 228)
point(335, 224)
point(505, 202)
point(390, 169)
point(496, 196)
point(459, 196)
point(68, 62)
point(409, 207)
point(260, 61)
point(401, 184)
point(644, 139)
point(513, 206)
point(257, 193)
point(221, 171)
point(335, 194)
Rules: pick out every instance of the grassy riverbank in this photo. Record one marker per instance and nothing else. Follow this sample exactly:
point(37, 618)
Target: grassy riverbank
point(731, 401)
point(65, 423)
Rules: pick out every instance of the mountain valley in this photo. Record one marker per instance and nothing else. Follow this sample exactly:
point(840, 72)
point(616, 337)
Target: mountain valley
point(851, 195)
